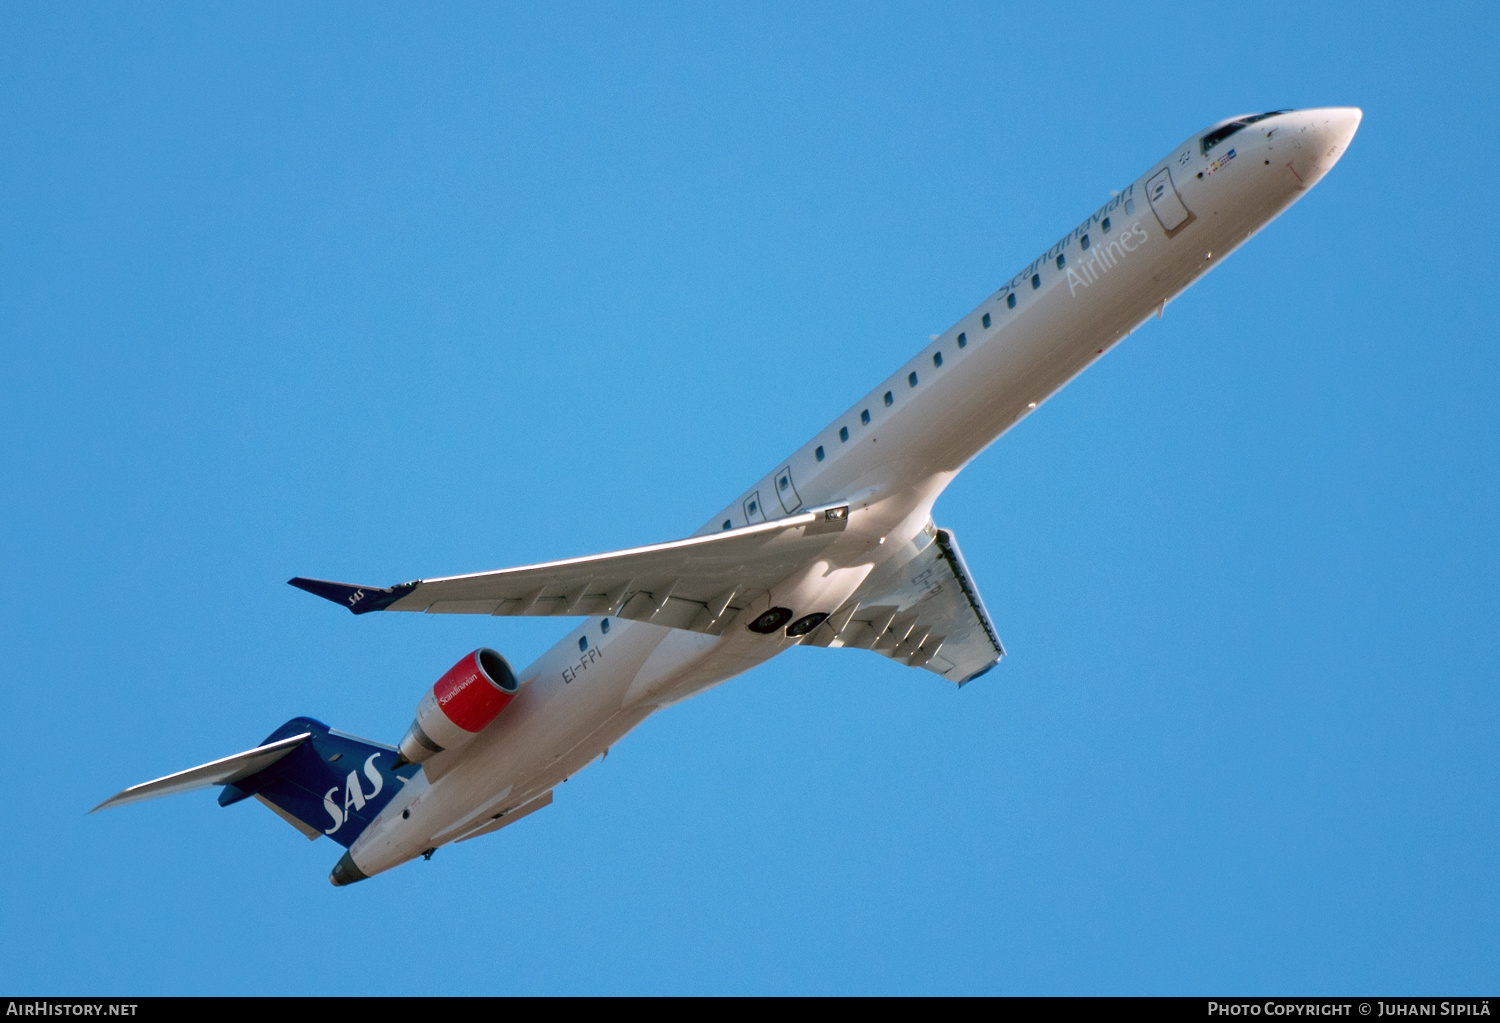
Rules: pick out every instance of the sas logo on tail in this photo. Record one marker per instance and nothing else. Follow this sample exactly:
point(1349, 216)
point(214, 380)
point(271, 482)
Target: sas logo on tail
point(354, 794)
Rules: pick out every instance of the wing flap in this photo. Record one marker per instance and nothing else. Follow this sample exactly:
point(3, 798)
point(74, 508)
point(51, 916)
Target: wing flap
point(923, 611)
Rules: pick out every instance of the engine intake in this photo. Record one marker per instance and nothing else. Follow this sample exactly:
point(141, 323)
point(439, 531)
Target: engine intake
point(459, 705)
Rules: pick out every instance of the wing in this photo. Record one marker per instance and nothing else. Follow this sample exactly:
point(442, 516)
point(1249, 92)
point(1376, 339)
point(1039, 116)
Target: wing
point(219, 772)
point(501, 820)
point(922, 610)
point(700, 583)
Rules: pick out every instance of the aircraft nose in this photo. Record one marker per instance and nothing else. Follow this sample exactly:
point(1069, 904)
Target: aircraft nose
point(1336, 126)
point(1324, 136)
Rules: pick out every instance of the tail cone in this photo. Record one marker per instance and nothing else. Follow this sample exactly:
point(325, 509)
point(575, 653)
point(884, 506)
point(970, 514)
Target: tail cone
point(345, 871)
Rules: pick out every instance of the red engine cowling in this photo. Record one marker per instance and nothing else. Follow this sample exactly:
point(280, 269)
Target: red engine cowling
point(458, 707)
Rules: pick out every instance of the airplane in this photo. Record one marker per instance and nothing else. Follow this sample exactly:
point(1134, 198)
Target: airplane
point(835, 547)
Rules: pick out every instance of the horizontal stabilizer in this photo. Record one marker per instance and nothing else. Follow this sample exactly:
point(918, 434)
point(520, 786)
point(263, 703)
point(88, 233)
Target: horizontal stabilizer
point(700, 583)
point(219, 772)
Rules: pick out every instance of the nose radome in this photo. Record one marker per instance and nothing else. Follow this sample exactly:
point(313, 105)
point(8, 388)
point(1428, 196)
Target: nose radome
point(1340, 124)
point(1331, 130)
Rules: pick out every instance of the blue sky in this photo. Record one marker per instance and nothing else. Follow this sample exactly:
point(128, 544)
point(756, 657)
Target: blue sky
point(377, 293)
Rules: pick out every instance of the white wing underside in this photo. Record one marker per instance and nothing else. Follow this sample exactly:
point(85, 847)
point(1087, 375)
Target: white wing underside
point(918, 607)
point(700, 584)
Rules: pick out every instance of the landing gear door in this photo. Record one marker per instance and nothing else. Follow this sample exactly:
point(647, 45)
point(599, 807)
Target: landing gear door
point(1166, 203)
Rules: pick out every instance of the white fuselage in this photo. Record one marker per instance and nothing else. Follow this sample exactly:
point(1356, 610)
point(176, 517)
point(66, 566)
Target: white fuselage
point(905, 442)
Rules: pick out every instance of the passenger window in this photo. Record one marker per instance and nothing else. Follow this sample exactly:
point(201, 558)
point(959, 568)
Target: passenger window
point(604, 625)
point(1010, 300)
point(911, 379)
point(583, 643)
point(844, 434)
point(1062, 261)
point(963, 339)
point(985, 319)
point(889, 401)
point(864, 417)
point(937, 358)
point(1084, 243)
point(726, 523)
point(1105, 224)
point(819, 452)
point(1036, 281)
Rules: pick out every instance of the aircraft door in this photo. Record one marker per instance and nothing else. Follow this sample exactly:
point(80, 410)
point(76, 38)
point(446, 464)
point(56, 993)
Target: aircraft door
point(1166, 203)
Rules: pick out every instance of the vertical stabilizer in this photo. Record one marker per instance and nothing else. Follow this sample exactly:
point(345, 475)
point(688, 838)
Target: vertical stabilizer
point(332, 784)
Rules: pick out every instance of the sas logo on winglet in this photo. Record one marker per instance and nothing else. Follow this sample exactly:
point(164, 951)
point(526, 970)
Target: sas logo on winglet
point(353, 794)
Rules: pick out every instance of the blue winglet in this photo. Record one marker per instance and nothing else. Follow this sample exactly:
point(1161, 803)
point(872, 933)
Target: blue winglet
point(358, 599)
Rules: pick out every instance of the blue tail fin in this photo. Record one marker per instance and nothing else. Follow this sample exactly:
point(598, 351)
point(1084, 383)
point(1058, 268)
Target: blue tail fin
point(333, 784)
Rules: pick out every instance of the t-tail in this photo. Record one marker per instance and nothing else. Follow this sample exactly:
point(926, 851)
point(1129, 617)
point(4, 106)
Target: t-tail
point(320, 781)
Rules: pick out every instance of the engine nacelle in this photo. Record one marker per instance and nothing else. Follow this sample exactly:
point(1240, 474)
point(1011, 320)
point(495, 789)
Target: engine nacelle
point(457, 708)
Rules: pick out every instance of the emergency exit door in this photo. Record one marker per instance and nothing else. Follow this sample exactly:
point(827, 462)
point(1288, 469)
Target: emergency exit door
point(786, 490)
point(1165, 202)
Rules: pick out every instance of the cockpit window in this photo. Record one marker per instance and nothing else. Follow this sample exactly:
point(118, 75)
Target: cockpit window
point(1222, 132)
